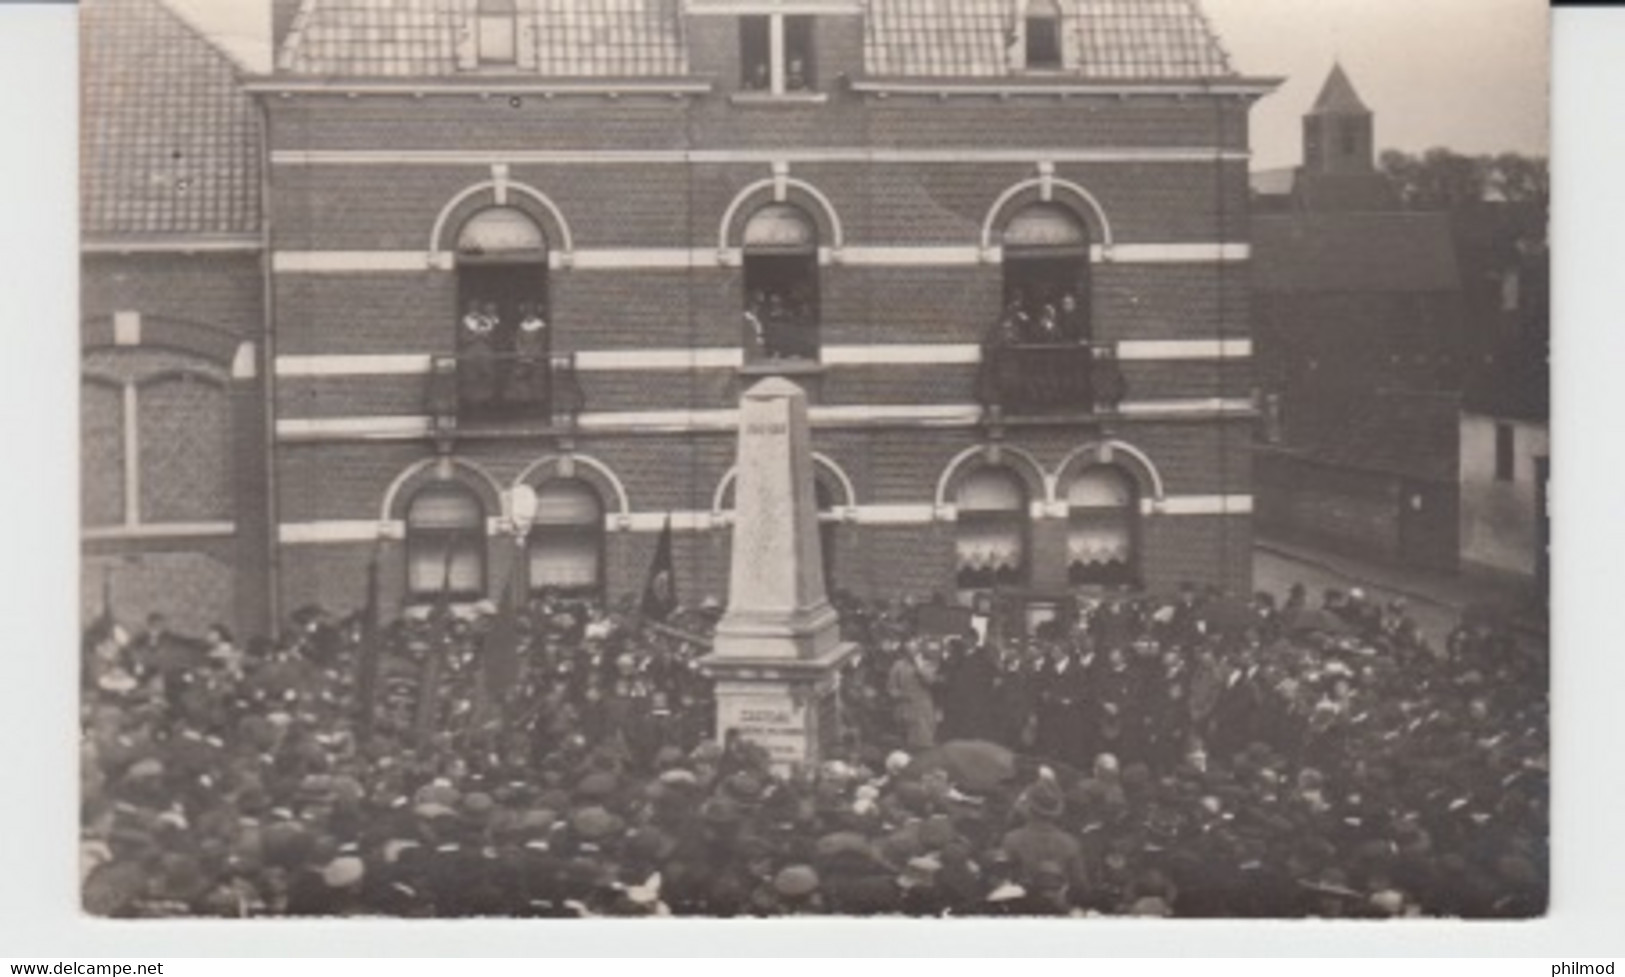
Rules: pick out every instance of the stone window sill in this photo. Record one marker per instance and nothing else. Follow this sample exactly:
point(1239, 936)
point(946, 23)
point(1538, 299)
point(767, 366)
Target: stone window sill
point(788, 98)
point(781, 368)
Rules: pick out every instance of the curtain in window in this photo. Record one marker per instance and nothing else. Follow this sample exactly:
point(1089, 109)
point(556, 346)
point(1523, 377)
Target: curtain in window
point(1102, 507)
point(992, 523)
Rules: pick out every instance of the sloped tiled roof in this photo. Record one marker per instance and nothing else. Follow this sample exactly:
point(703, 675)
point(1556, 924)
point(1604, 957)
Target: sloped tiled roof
point(1105, 39)
point(1338, 97)
point(1350, 252)
point(169, 142)
point(555, 38)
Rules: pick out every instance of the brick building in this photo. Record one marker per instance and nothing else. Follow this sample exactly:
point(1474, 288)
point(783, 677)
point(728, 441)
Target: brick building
point(1357, 310)
point(539, 243)
point(173, 500)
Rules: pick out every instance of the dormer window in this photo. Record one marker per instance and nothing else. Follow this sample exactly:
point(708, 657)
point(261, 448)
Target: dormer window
point(496, 32)
point(1043, 25)
point(776, 54)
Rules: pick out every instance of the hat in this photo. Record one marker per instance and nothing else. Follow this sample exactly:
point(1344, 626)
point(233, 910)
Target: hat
point(1044, 801)
point(678, 776)
point(1150, 906)
point(150, 767)
point(719, 810)
point(597, 785)
point(744, 787)
point(594, 822)
point(478, 804)
point(343, 872)
point(921, 870)
point(430, 811)
point(796, 881)
point(896, 762)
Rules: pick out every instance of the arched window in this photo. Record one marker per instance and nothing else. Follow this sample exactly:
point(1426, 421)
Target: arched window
point(991, 537)
point(1046, 276)
point(1103, 522)
point(185, 466)
point(781, 284)
point(1043, 23)
point(445, 543)
point(503, 325)
point(566, 543)
point(103, 468)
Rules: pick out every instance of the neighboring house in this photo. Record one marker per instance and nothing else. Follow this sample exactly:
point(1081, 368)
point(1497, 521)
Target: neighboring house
point(1358, 322)
point(173, 474)
point(1506, 407)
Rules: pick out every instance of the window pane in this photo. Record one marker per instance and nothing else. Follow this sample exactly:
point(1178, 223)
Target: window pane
point(497, 230)
point(426, 563)
point(449, 507)
point(101, 454)
point(799, 63)
point(992, 490)
point(754, 52)
point(565, 559)
point(185, 440)
point(1045, 226)
point(468, 564)
point(1102, 486)
point(496, 39)
point(568, 502)
point(780, 227)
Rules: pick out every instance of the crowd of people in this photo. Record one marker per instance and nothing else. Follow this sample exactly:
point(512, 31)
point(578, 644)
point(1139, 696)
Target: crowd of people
point(1186, 756)
point(1042, 316)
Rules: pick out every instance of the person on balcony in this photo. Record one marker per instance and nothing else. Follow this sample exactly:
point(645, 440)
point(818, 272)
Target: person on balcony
point(1016, 325)
point(1049, 324)
point(754, 326)
point(476, 364)
point(1074, 325)
point(528, 382)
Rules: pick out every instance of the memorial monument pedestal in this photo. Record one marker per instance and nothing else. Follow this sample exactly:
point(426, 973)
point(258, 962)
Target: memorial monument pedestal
point(777, 657)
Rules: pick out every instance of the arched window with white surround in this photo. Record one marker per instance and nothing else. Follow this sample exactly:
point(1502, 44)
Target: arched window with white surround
point(991, 530)
point(780, 256)
point(503, 325)
point(445, 543)
point(565, 548)
point(1046, 276)
point(1103, 528)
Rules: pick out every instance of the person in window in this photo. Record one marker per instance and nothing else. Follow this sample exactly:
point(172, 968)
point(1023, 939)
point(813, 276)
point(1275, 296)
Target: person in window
point(754, 325)
point(477, 352)
point(1049, 324)
point(760, 78)
point(795, 76)
point(779, 327)
point(1073, 327)
point(528, 383)
point(1016, 324)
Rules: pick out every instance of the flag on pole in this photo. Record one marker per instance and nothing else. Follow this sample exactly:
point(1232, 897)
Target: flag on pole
point(367, 666)
point(429, 678)
point(660, 589)
point(501, 657)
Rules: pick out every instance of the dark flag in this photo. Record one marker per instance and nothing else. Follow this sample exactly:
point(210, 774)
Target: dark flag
point(660, 590)
point(101, 629)
point(367, 667)
point(501, 658)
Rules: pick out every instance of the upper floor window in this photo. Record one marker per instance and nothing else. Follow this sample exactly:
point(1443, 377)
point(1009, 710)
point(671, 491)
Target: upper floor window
point(1046, 277)
point(776, 54)
point(496, 32)
point(445, 543)
point(1043, 24)
point(503, 329)
point(1506, 467)
point(781, 284)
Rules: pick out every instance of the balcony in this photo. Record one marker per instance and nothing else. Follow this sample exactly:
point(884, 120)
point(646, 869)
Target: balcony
point(1050, 379)
point(504, 390)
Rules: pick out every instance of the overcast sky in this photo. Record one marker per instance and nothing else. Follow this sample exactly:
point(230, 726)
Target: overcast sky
point(1468, 74)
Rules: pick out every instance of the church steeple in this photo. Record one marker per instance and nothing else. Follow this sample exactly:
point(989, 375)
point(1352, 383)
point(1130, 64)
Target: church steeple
point(1338, 131)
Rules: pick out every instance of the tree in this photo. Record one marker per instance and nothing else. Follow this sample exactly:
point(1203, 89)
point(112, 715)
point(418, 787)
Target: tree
point(1441, 179)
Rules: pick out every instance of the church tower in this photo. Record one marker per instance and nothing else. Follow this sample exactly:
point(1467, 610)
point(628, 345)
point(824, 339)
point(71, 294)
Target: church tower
point(1337, 131)
point(1339, 171)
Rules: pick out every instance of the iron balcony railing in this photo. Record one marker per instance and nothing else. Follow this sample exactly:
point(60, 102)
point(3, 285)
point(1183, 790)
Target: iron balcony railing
point(505, 388)
point(1028, 379)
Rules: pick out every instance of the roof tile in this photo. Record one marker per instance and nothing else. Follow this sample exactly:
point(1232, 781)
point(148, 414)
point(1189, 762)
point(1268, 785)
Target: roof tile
point(169, 142)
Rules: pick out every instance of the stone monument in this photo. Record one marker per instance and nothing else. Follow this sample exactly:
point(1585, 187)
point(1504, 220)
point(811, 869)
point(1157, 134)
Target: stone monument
point(777, 655)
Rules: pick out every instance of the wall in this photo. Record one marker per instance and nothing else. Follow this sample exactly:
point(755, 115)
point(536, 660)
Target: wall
point(1499, 525)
